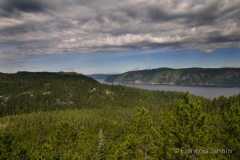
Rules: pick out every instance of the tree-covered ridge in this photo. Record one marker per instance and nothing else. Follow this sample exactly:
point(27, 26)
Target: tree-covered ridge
point(23, 76)
point(187, 76)
point(39, 92)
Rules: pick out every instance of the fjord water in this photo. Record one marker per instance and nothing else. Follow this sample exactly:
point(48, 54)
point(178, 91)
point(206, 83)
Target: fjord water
point(204, 91)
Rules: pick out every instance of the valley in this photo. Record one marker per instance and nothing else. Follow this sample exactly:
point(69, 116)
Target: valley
point(71, 116)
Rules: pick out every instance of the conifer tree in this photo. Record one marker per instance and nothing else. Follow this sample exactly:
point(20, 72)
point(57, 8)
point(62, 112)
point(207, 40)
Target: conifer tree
point(190, 130)
point(231, 131)
point(10, 148)
point(101, 147)
point(144, 140)
point(62, 140)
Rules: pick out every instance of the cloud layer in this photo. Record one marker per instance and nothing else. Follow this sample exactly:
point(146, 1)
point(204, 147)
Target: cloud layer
point(29, 27)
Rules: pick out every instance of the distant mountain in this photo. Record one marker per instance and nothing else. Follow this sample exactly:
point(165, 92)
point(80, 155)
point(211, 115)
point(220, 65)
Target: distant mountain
point(187, 76)
point(99, 76)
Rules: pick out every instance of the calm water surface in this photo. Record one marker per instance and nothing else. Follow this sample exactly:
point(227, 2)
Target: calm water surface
point(205, 91)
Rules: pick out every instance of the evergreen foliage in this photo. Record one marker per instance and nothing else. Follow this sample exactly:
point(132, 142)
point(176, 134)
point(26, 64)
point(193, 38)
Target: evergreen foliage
point(231, 130)
point(138, 124)
point(143, 141)
point(61, 140)
point(10, 148)
point(101, 147)
point(55, 91)
point(190, 129)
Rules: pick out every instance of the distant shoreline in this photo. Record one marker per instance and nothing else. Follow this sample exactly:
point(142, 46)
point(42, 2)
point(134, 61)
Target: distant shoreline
point(227, 86)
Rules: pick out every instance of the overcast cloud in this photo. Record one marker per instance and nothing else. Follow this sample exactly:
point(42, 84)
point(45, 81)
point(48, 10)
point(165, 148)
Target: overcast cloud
point(30, 27)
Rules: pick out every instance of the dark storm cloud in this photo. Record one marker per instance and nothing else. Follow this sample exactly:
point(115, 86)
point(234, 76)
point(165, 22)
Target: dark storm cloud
point(24, 5)
point(13, 7)
point(22, 29)
point(221, 38)
point(79, 26)
point(207, 15)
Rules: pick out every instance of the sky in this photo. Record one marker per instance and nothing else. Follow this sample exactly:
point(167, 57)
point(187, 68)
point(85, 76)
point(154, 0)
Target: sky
point(112, 36)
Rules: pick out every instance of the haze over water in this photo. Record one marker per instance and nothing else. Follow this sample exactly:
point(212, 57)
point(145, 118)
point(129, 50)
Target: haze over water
point(204, 91)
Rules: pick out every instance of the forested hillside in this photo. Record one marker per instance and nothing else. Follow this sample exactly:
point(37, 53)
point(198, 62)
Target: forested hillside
point(187, 76)
point(26, 92)
point(70, 116)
